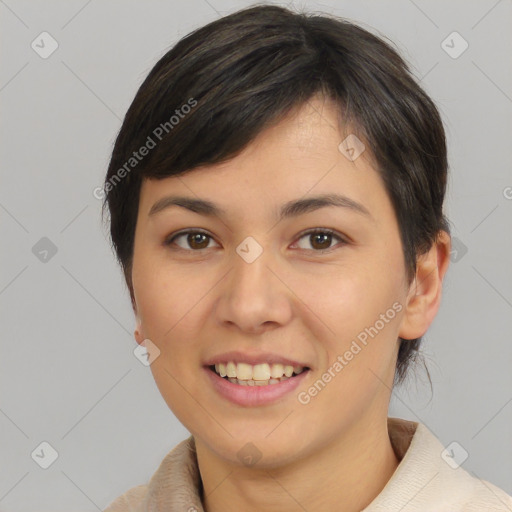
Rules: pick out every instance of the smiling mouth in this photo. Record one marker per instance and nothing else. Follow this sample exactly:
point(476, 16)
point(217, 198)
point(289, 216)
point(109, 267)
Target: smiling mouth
point(258, 375)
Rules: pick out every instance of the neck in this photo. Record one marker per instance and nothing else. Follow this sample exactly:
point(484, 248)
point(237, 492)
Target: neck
point(346, 475)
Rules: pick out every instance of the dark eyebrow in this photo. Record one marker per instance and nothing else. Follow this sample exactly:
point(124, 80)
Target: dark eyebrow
point(289, 209)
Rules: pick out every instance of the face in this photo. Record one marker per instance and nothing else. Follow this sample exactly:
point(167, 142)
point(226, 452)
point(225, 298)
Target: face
point(249, 285)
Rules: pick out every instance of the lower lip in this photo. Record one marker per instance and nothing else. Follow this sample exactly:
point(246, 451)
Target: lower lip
point(251, 396)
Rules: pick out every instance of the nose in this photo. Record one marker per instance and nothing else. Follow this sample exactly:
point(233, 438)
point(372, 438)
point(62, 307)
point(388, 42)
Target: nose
point(253, 297)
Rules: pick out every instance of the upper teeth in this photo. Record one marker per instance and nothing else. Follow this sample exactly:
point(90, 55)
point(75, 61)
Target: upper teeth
point(244, 371)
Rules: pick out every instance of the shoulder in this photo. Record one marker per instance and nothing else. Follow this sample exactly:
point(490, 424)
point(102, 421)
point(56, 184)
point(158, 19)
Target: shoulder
point(487, 496)
point(464, 490)
point(429, 478)
point(456, 486)
point(129, 501)
point(175, 482)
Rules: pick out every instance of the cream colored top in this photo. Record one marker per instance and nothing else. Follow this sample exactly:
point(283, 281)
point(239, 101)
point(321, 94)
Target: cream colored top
point(422, 482)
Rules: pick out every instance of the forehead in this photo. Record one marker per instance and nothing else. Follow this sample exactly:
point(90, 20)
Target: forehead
point(303, 154)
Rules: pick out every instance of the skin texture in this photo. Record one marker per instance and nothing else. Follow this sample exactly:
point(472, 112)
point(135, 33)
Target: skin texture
point(333, 453)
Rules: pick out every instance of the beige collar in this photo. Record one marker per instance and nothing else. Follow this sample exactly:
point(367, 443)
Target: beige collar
point(176, 485)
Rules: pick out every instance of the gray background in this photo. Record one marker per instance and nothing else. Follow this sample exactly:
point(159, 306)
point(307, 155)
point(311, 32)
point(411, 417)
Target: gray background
point(68, 375)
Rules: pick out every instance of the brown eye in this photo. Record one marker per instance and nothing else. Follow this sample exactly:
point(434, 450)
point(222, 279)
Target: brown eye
point(320, 239)
point(197, 240)
point(194, 240)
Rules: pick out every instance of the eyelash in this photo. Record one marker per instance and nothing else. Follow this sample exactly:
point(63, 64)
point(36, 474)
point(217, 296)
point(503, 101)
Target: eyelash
point(169, 241)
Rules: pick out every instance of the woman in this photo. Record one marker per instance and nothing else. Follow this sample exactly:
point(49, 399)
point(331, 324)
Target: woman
point(276, 203)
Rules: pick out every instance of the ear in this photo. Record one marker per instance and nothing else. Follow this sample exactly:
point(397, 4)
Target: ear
point(425, 292)
point(138, 333)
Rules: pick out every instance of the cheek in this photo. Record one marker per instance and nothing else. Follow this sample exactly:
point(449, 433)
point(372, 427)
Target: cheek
point(355, 311)
point(168, 304)
point(172, 306)
point(357, 345)
point(166, 296)
point(350, 298)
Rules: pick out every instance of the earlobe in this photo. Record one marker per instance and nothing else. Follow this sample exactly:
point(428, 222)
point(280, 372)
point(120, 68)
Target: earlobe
point(425, 292)
point(138, 334)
